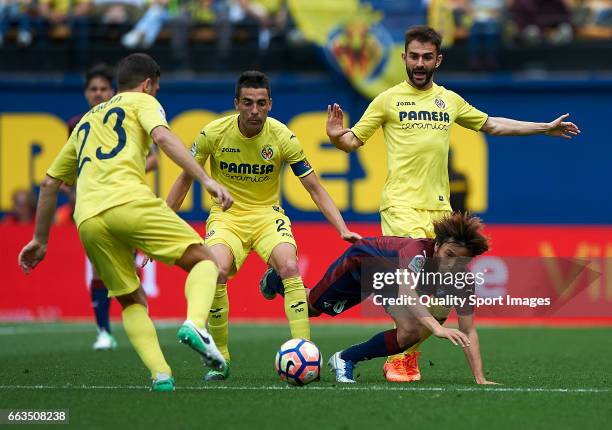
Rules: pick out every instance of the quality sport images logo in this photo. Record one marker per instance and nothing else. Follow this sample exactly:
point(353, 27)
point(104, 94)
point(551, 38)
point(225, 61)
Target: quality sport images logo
point(496, 286)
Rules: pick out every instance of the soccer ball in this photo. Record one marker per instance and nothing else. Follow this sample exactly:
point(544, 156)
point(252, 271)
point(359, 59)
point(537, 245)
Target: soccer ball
point(298, 362)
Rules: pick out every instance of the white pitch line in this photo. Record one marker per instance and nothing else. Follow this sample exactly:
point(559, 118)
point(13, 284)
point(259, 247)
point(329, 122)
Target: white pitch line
point(316, 388)
point(18, 331)
point(84, 328)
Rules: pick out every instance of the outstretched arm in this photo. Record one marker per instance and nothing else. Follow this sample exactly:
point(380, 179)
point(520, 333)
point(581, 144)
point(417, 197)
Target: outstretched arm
point(472, 351)
point(34, 252)
point(172, 146)
point(327, 206)
point(456, 337)
point(404, 315)
point(342, 138)
point(498, 126)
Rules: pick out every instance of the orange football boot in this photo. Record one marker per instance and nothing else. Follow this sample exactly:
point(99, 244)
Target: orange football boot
point(404, 369)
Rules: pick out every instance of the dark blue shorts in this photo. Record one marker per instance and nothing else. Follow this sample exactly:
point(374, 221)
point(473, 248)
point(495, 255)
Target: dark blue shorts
point(340, 287)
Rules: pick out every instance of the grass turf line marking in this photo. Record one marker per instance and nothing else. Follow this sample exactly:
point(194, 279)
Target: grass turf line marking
point(316, 388)
point(18, 331)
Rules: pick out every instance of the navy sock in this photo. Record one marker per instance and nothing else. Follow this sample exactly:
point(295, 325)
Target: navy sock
point(381, 345)
point(101, 304)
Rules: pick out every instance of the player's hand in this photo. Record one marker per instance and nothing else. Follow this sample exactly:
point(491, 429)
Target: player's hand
point(31, 254)
point(334, 127)
point(455, 336)
point(220, 192)
point(350, 236)
point(560, 128)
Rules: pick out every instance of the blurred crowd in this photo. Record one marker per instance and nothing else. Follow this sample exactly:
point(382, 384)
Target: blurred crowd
point(140, 22)
point(137, 24)
point(487, 24)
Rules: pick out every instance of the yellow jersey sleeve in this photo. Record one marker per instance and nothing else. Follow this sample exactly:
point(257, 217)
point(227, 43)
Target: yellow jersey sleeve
point(294, 155)
point(202, 147)
point(151, 114)
point(372, 119)
point(468, 116)
point(65, 165)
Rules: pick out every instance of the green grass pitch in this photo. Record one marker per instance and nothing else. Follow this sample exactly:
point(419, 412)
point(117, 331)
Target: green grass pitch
point(552, 378)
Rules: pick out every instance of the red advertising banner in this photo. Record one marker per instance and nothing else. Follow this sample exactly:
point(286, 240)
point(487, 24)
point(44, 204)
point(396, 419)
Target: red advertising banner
point(571, 263)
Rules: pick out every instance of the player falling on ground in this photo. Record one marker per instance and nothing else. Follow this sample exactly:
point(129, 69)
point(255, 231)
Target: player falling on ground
point(98, 89)
point(457, 236)
point(116, 212)
point(247, 151)
point(416, 116)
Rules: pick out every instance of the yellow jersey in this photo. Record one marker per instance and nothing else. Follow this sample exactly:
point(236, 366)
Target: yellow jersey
point(416, 125)
point(106, 152)
point(249, 167)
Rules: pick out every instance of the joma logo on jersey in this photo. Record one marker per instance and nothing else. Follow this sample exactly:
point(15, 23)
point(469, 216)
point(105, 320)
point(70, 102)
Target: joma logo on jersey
point(424, 115)
point(405, 104)
point(230, 149)
point(243, 168)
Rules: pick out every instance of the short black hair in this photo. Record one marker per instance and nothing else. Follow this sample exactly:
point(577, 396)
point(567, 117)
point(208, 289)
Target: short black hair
point(134, 69)
point(252, 79)
point(423, 34)
point(102, 71)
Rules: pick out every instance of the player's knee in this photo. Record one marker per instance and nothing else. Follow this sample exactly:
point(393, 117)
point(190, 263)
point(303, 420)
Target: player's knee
point(224, 273)
point(288, 269)
point(137, 297)
point(408, 335)
point(193, 255)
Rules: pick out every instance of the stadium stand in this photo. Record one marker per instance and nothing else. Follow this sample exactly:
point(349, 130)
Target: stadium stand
point(221, 35)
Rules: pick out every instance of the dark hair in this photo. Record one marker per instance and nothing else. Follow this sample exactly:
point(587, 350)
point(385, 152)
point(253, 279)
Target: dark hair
point(463, 229)
point(134, 69)
point(423, 34)
point(252, 79)
point(102, 71)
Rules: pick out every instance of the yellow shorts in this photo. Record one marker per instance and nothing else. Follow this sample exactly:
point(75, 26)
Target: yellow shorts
point(259, 230)
point(149, 225)
point(409, 222)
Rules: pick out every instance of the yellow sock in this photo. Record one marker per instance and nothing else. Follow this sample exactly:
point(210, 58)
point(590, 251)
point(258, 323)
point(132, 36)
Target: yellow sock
point(200, 291)
point(412, 349)
point(218, 320)
point(141, 332)
point(296, 307)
